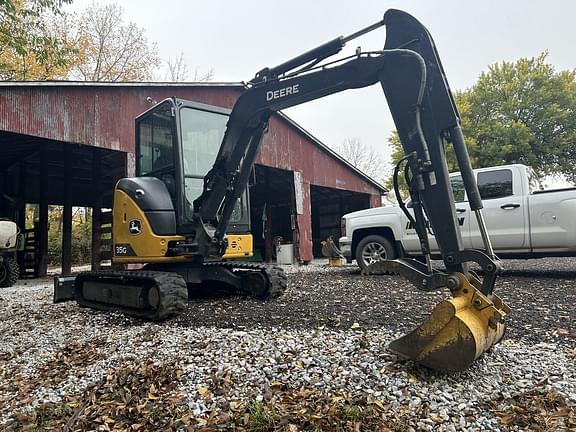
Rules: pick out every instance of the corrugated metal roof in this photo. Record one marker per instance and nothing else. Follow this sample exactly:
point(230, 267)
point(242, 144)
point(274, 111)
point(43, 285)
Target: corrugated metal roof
point(117, 84)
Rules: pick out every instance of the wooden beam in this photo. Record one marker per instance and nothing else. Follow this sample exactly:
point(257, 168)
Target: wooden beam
point(21, 195)
point(67, 214)
point(96, 209)
point(43, 215)
point(268, 225)
point(294, 218)
point(3, 190)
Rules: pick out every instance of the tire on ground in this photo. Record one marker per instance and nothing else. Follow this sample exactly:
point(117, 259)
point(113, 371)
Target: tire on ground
point(9, 272)
point(374, 248)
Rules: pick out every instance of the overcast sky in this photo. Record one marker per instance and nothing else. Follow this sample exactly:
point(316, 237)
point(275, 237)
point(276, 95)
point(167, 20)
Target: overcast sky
point(238, 38)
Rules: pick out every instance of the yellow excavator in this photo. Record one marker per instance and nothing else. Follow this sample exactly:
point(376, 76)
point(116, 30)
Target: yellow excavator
point(175, 215)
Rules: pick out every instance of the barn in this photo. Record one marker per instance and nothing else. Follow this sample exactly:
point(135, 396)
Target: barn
point(67, 143)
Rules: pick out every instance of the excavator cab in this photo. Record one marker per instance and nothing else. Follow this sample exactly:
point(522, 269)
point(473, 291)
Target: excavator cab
point(176, 144)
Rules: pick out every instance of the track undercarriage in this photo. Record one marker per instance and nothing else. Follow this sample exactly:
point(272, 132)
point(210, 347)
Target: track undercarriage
point(160, 291)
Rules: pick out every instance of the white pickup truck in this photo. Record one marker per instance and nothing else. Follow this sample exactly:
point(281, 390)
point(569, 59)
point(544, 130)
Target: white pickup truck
point(523, 222)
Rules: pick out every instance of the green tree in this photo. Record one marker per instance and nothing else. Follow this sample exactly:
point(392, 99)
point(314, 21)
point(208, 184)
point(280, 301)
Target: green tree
point(518, 112)
point(29, 47)
point(522, 112)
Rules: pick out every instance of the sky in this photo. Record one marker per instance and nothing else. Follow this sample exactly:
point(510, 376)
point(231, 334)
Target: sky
point(238, 38)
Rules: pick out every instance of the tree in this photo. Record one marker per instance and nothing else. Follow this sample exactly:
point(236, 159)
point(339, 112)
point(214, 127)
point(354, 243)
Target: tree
point(520, 112)
point(29, 48)
point(109, 49)
point(177, 71)
point(365, 158)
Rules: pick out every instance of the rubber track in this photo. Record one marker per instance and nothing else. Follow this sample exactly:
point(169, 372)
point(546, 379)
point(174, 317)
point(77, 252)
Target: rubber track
point(172, 288)
point(11, 272)
point(275, 276)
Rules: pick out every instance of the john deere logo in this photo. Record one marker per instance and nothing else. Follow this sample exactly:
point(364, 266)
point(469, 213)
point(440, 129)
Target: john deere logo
point(135, 227)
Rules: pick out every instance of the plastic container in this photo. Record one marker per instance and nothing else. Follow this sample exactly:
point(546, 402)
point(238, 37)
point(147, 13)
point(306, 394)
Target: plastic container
point(285, 253)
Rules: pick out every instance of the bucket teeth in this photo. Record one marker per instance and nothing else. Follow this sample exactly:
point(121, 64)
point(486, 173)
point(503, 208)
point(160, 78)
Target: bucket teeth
point(458, 331)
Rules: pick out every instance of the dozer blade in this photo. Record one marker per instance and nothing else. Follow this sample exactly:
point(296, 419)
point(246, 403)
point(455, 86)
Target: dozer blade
point(458, 331)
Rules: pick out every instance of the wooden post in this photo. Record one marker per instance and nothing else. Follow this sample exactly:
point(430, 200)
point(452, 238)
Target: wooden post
point(21, 196)
point(3, 206)
point(268, 233)
point(96, 209)
point(67, 212)
point(268, 225)
point(43, 215)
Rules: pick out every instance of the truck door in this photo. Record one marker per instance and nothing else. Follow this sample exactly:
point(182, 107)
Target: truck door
point(412, 243)
point(504, 212)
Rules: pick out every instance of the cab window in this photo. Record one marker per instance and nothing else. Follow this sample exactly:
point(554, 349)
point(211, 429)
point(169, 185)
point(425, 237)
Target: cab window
point(155, 133)
point(202, 133)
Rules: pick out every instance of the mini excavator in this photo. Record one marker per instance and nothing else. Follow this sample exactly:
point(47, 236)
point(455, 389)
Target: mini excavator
point(182, 241)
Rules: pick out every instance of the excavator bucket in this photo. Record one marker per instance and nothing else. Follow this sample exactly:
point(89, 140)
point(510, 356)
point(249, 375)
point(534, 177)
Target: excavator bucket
point(458, 331)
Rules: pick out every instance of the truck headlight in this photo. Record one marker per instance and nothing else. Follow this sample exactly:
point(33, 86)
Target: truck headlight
point(343, 226)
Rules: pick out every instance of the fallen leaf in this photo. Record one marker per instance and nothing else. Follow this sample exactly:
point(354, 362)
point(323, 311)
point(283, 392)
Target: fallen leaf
point(380, 405)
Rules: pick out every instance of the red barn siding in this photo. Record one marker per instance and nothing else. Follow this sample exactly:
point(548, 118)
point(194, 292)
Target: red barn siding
point(92, 115)
point(103, 115)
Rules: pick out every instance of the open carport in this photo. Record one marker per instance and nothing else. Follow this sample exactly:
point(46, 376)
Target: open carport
point(67, 143)
point(42, 172)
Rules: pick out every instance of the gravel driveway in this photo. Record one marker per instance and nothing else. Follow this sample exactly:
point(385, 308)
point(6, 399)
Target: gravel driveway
point(314, 359)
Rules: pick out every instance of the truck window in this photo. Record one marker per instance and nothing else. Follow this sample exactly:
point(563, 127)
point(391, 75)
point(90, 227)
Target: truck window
point(457, 188)
point(495, 184)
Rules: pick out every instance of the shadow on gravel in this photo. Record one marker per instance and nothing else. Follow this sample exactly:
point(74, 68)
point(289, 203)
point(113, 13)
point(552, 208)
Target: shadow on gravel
point(208, 291)
point(551, 274)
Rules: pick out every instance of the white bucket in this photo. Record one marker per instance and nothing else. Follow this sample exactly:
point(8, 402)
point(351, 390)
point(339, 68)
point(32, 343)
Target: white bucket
point(285, 254)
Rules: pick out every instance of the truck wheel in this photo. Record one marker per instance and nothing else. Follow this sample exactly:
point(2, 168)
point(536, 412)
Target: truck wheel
point(374, 248)
point(9, 272)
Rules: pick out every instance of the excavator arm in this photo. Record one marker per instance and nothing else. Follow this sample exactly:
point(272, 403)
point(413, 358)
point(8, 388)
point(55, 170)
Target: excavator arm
point(411, 75)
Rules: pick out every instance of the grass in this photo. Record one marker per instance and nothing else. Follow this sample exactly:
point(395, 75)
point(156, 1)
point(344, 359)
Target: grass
point(260, 418)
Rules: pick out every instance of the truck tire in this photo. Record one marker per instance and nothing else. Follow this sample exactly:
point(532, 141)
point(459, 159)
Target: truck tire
point(374, 248)
point(9, 272)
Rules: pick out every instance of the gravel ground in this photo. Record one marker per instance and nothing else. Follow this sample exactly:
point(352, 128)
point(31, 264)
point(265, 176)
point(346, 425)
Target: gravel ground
point(314, 359)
